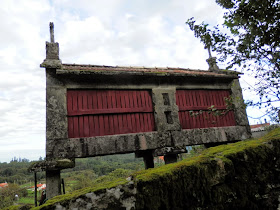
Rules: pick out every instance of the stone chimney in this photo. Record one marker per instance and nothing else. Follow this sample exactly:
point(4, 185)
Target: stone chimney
point(52, 52)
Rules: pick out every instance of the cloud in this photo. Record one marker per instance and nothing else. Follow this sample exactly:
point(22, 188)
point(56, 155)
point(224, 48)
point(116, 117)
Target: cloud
point(112, 32)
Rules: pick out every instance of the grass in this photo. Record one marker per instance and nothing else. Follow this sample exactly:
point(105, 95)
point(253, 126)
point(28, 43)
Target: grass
point(29, 199)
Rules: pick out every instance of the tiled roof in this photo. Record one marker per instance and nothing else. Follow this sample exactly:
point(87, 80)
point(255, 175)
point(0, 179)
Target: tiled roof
point(39, 185)
point(3, 184)
point(75, 68)
point(259, 125)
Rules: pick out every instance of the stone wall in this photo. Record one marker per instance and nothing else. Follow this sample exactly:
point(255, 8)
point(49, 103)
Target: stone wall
point(242, 175)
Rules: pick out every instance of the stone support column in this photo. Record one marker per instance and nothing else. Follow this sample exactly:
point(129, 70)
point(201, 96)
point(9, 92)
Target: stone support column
point(53, 183)
point(148, 157)
point(148, 160)
point(56, 111)
point(166, 115)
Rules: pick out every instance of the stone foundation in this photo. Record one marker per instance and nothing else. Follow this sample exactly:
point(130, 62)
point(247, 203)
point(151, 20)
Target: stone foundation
point(243, 175)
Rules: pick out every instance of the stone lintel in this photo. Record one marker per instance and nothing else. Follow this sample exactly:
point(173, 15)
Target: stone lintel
point(105, 145)
point(189, 137)
point(128, 143)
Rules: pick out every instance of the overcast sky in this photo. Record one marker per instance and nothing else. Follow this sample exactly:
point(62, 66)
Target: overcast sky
point(112, 32)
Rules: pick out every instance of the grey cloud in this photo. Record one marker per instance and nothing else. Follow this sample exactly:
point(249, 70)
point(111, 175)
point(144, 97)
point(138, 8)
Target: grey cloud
point(111, 32)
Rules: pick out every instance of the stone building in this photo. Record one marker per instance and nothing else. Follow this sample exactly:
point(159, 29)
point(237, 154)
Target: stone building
point(100, 110)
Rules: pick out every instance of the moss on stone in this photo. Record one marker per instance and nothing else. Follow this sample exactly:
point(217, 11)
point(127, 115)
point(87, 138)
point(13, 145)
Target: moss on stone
point(229, 176)
point(15, 207)
point(63, 199)
point(226, 175)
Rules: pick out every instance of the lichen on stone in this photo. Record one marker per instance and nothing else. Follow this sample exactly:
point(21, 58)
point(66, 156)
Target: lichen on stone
point(235, 176)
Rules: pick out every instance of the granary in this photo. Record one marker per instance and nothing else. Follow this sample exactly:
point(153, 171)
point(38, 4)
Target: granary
point(95, 110)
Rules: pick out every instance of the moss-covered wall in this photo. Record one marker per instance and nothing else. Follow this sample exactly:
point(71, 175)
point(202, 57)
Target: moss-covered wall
point(243, 175)
point(236, 176)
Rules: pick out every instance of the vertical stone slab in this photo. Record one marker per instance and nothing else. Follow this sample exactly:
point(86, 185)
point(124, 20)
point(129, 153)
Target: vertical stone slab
point(239, 106)
point(56, 126)
point(56, 108)
point(53, 186)
point(165, 109)
point(166, 115)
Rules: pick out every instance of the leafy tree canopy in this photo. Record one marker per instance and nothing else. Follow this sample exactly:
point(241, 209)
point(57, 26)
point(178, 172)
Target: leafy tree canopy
point(251, 43)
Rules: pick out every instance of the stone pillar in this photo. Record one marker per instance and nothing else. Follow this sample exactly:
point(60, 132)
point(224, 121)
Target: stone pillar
point(166, 116)
point(149, 160)
point(148, 157)
point(56, 111)
point(53, 181)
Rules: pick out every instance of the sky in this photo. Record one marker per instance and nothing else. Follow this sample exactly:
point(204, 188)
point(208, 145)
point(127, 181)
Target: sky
point(112, 32)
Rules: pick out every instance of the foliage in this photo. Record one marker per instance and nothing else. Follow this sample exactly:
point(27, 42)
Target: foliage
point(271, 127)
point(16, 172)
point(118, 173)
point(251, 43)
point(83, 179)
point(88, 178)
point(106, 164)
point(7, 194)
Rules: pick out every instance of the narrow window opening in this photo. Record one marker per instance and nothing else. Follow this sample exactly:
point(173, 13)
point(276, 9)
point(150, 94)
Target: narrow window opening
point(168, 117)
point(166, 100)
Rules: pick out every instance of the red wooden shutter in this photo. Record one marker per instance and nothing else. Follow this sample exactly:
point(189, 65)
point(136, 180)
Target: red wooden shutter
point(196, 100)
point(109, 112)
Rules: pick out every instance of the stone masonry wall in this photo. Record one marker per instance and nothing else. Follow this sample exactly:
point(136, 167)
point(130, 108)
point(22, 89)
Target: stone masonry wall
point(242, 175)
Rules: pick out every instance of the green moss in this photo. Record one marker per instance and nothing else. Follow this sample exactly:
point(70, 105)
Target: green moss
point(11, 208)
point(196, 178)
point(203, 180)
point(75, 194)
point(65, 163)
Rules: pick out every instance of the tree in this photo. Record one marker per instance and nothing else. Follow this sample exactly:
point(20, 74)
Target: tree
point(7, 195)
point(251, 43)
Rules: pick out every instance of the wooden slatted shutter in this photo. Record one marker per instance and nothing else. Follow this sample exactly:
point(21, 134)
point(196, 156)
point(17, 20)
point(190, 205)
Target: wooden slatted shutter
point(108, 112)
point(196, 100)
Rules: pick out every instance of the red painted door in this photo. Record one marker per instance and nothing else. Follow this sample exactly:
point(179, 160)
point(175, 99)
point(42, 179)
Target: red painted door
point(109, 112)
point(194, 108)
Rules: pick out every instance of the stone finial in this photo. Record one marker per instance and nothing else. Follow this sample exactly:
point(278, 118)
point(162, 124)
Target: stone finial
point(52, 32)
point(52, 52)
point(212, 61)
